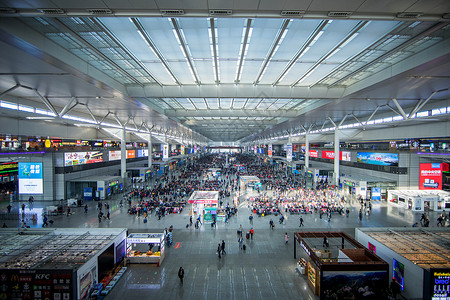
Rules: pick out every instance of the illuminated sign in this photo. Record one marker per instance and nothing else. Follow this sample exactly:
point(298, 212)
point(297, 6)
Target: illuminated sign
point(304, 248)
point(289, 152)
point(81, 158)
point(131, 154)
point(383, 159)
point(30, 178)
point(142, 152)
point(115, 155)
point(9, 167)
point(430, 177)
point(346, 156)
point(440, 283)
point(398, 273)
point(314, 153)
point(269, 151)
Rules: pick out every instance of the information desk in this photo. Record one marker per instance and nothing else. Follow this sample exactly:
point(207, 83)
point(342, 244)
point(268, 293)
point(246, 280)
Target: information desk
point(145, 248)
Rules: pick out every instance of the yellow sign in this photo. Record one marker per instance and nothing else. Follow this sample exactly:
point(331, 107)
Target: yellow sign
point(48, 144)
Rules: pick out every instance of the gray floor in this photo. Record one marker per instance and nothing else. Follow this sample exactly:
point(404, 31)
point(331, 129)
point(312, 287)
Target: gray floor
point(266, 270)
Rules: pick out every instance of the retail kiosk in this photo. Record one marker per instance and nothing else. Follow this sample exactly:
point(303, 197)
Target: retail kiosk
point(418, 258)
point(420, 200)
point(145, 248)
point(60, 263)
point(205, 204)
point(336, 266)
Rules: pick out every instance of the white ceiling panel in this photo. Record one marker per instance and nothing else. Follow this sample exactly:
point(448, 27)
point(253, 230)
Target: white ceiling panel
point(334, 5)
point(80, 3)
point(386, 5)
point(169, 4)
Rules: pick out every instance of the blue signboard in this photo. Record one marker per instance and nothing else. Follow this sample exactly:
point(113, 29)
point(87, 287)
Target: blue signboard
point(376, 193)
point(373, 158)
point(88, 193)
point(30, 178)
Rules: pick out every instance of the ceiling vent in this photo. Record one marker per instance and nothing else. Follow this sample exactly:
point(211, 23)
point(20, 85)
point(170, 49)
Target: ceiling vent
point(172, 12)
point(51, 11)
point(7, 11)
point(409, 15)
point(99, 11)
point(220, 12)
point(340, 14)
point(292, 13)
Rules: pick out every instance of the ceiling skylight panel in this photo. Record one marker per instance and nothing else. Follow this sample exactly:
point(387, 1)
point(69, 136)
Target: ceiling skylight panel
point(229, 37)
point(225, 103)
point(297, 69)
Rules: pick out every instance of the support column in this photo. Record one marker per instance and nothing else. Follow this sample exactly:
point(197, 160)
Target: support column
point(149, 148)
point(306, 151)
point(123, 154)
point(336, 157)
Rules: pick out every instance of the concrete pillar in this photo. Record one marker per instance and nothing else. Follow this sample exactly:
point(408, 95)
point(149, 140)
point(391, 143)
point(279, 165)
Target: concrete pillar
point(336, 157)
point(123, 154)
point(306, 151)
point(149, 147)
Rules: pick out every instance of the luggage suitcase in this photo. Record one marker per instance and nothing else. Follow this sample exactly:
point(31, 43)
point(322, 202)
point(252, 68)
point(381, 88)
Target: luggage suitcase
point(145, 220)
point(247, 235)
point(244, 247)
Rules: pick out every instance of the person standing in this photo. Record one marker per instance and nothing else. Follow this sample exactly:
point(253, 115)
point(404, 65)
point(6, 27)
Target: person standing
point(286, 238)
point(301, 222)
point(44, 221)
point(271, 224)
point(250, 218)
point(181, 274)
point(251, 233)
point(86, 209)
point(9, 208)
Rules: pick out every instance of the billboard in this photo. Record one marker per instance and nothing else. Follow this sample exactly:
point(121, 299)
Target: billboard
point(182, 150)
point(346, 156)
point(398, 273)
point(165, 149)
point(430, 177)
point(269, 151)
point(375, 158)
point(314, 153)
point(289, 152)
point(30, 178)
point(114, 155)
point(440, 283)
point(131, 154)
point(327, 154)
point(81, 158)
point(142, 152)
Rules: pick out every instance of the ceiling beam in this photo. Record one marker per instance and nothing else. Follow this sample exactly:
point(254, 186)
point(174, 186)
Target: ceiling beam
point(243, 51)
point(232, 112)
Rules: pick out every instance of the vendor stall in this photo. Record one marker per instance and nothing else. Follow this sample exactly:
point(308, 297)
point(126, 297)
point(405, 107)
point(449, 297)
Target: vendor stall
point(338, 267)
point(145, 248)
point(205, 204)
point(249, 182)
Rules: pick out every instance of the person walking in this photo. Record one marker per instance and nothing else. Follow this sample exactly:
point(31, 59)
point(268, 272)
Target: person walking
point(250, 219)
point(44, 221)
point(252, 232)
point(301, 222)
point(181, 274)
point(223, 247)
point(325, 242)
point(100, 215)
point(271, 224)
point(190, 221)
point(86, 209)
point(286, 238)
point(9, 208)
point(240, 241)
point(219, 250)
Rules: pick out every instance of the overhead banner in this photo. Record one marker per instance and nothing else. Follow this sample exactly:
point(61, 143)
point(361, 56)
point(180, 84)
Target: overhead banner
point(182, 150)
point(289, 152)
point(131, 154)
point(382, 159)
point(269, 152)
point(165, 150)
point(142, 152)
point(430, 177)
point(30, 178)
point(81, 158)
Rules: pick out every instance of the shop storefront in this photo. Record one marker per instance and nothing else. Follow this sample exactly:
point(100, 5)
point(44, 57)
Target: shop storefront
point(94, 187)
point(205, 204)
point(420, 200)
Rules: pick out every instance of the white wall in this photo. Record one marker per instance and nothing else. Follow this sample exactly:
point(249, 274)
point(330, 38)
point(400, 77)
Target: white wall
point(413, 274)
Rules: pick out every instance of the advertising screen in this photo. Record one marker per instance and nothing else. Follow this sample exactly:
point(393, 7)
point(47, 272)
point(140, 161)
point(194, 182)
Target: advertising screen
point(30, 178)
point(376, 193)
point(114, 155)
point(9, 167)
point(289, 152)
point(142, 152)
point(440, 283)
point(327, 154)
point(346, 156)
point(81, 158)
point(373, 158)
point(430, 177)
point(165, 149)
point(131, 154)
point(314, 153)
point(269, 151)
point(398, 273)
point(182, 150)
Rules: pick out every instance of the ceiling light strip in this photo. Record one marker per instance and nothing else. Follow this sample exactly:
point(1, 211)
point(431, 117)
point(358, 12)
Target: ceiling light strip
point(246, 36)
point(213, 42)
point(276, 44)
point(178, 32)
point(318, 31)
point(355, 31)
point(146, 37)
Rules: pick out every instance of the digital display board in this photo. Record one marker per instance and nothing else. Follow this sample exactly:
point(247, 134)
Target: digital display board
point(374, 158)
point(9, 167)
point(131, 154)
point(440, 283)
point(81, 158)
point(30, 178)
point(289, 152)
point(398, 273)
